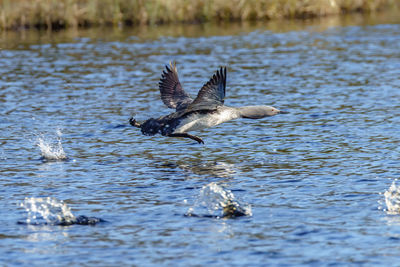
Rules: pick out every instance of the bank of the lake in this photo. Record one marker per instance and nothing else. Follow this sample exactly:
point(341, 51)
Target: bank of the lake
point(51, 14)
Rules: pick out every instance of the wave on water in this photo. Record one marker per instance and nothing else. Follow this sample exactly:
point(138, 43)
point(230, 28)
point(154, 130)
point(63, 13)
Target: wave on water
point(218, 202)
point(50, 149)
point(392, 199)
point(50, 211)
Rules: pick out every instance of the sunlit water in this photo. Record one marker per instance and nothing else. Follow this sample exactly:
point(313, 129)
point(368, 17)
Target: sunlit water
point(312, 181)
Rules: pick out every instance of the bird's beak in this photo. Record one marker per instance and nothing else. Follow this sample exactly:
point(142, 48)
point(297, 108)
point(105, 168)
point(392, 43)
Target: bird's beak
point(283, 112)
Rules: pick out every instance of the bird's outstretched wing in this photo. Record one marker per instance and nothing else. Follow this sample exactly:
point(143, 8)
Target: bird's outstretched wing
point(172, 93)
point(212, 94)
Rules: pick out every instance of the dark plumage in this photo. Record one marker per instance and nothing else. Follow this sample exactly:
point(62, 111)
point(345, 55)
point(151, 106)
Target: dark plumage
point(171, 90)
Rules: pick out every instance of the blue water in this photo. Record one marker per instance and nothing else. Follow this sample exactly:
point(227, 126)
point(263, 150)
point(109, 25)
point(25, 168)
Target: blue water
point(314, 178)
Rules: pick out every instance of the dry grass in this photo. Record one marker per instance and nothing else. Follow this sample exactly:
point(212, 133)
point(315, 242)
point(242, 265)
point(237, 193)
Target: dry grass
point(54, 14)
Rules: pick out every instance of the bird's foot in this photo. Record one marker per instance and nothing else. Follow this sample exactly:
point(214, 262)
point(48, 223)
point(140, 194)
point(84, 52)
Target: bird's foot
point(186, 135)
point(198, 139)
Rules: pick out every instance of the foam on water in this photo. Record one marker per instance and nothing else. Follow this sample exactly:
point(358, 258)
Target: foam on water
point(51, 150)
point(392, 199)
point(47, 210)
point(218, 202)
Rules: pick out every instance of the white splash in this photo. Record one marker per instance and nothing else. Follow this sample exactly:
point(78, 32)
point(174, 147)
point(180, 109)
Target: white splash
point(47, 210)
point(392, 199)
point(219, 202)
point(51, 150)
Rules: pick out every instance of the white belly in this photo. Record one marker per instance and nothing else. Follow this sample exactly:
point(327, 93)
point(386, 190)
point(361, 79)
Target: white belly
point(196, 122)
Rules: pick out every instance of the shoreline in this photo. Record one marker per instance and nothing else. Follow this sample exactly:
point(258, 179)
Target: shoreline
point(17, 39)
point(64, 14)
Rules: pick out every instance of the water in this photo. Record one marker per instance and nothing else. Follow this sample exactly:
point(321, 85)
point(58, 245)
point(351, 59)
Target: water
point(47, 211)
point(216, 201)
point(392, 199)
point(51, 150)
point(314, 179)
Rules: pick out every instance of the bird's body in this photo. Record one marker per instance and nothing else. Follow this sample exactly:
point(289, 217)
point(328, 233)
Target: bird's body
point(198, 121)
point(206, 110)
point(180, 122)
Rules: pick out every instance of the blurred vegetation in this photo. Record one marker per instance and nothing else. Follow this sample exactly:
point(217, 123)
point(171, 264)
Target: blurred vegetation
point(55, 14)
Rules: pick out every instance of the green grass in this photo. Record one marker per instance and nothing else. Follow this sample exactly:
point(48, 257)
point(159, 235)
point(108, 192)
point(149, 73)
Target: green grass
point(54, 14)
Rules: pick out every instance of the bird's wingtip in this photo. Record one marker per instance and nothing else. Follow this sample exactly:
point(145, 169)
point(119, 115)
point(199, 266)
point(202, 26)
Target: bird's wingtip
point(172, 63)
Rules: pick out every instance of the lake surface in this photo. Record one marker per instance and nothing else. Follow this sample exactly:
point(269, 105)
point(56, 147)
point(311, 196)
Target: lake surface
point(312, 180)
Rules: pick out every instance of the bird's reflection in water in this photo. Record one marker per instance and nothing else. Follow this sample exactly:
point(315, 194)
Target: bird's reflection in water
point(206, 168)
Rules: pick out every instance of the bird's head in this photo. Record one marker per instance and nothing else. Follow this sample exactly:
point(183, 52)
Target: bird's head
point(258, 112)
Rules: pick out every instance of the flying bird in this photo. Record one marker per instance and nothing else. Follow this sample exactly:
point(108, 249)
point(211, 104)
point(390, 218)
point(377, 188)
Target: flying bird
point(206, 110)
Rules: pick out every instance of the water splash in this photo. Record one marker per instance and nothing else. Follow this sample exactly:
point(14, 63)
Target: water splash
point(47, 211)
point(218, 202)
point(392, 199)
point(51, 150)
point(2, 155)
point(50, 211)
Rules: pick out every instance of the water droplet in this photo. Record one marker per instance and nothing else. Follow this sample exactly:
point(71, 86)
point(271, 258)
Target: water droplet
point(51, 150)
point(216, 201)
point(47, 210)
point(392, 199)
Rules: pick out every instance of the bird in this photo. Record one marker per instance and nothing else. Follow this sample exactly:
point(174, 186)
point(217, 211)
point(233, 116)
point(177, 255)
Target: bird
point(204, 111)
